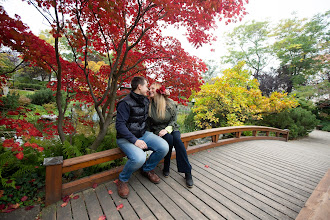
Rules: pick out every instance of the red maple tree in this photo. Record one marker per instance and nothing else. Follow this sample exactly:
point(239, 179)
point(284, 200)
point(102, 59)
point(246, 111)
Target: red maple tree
point(128, 33)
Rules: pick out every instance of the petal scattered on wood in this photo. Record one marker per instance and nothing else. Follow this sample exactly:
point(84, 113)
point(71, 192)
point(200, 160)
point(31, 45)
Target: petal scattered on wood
point(120, 206)
point(102, 217)
point(94, 185)
point(207, 166)
point(115, 181)
point(64, 204)
point(76, 197)
point(110, 192)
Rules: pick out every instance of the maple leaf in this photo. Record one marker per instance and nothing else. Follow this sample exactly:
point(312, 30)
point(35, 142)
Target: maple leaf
point(15, 206)
point(94, 185)
point(24, 198)
point(102, 217)
point(110, 192)
point(207, 166)
point(120, 206)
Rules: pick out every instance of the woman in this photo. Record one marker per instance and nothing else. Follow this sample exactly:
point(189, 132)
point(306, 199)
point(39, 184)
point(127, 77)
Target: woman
point(162, 122)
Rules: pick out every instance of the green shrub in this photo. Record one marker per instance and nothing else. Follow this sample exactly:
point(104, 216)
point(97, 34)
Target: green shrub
point(186, 122)
point(9, 102)
point(299, 121)
point(42, 97)
point(29, 86)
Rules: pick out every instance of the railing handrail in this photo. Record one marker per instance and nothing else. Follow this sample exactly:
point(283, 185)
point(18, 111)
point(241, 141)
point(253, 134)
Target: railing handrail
point(55, 167)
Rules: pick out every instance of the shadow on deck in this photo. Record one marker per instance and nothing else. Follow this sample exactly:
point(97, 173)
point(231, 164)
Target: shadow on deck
point(261, 179)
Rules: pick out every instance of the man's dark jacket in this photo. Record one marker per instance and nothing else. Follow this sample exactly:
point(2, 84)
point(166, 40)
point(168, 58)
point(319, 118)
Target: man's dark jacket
point(132, 114)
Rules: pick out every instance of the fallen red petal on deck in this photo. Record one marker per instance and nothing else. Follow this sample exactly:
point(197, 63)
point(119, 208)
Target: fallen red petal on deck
point(120, 206)
point(102, 217)
point(110, 192)
point(207, 166)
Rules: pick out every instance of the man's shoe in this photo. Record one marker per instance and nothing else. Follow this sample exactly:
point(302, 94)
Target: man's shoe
point(166, 173)
point(123, 189)
point(151, 175)
point(189, 180)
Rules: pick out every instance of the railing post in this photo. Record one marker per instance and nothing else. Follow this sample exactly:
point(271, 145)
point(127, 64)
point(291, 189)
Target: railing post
point(53, 179)
point(238, 134)
point(215, 138)
point(267, 133)
point(186, 143)
point(286, 136)
point(254, 133)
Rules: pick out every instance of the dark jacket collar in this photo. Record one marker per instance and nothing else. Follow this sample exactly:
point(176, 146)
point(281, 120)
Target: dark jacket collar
point(138, 98)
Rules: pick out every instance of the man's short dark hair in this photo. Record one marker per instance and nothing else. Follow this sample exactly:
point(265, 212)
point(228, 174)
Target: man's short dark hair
point(137, 80)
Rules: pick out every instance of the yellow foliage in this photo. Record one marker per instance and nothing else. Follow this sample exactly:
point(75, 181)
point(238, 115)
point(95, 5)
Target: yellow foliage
point(234, 98)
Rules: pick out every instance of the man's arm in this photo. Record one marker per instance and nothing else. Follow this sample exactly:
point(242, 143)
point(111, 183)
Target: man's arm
point(123, 112)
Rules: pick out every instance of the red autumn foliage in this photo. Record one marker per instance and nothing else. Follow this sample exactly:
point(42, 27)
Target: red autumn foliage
point(129, 35)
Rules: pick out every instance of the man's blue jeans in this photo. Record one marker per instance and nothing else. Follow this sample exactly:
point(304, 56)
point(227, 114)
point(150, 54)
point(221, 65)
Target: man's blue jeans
point(137, 157)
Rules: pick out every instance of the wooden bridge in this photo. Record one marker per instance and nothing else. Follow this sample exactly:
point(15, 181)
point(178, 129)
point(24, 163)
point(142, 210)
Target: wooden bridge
point(257, 179)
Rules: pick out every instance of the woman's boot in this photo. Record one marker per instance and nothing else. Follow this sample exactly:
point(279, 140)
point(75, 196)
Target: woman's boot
point(189, 180)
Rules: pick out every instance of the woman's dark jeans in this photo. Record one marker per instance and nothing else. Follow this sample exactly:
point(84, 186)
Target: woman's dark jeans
point(174, 140)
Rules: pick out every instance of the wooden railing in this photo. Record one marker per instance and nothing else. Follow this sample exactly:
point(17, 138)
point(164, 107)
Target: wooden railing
point(55, 166)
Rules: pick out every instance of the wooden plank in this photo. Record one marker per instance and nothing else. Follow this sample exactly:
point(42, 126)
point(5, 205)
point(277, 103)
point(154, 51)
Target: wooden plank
point(201, 191)
point(252, 183)
point(178, 199)
point(88, 181)
point(266, 166)
point(276, 168)
point(244, 204)
point(192, 199)
point(317, 206)
point(172, 208)
point(156, 208)
point(288, 163)
point(79, 211)
point(138, 205)
point(262, 206)
point(92, 204)
point(267, 175)
point(63, 213)
point(107, 204)
point(276, 184)
point(49, 213)
point(127, 212)
point(284, 155)
point(88, 160)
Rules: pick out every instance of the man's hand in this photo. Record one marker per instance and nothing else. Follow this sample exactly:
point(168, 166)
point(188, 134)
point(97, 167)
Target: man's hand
point(141, 144)
point(162, 133)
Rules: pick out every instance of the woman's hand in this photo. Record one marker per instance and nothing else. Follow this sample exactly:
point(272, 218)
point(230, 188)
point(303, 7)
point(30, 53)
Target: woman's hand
point(162, 133)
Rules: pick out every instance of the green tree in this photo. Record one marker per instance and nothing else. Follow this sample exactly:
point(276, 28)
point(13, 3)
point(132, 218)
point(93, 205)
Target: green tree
point(299, 43)
point(248, 42)
point(234, 99)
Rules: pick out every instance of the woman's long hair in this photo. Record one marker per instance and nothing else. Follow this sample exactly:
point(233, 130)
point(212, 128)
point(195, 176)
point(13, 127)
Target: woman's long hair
point(160, 102)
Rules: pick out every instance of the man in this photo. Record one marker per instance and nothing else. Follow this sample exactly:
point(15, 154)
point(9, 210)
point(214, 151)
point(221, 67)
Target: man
point(133, 138)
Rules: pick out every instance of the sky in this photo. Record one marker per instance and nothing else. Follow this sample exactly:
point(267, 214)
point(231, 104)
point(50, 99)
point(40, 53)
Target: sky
point(258, 10)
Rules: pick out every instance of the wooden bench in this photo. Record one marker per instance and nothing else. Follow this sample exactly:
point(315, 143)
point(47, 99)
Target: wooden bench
point(56, 166)
point(318, 204)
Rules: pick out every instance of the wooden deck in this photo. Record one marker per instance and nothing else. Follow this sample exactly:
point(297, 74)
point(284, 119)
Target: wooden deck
point(261, 179)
